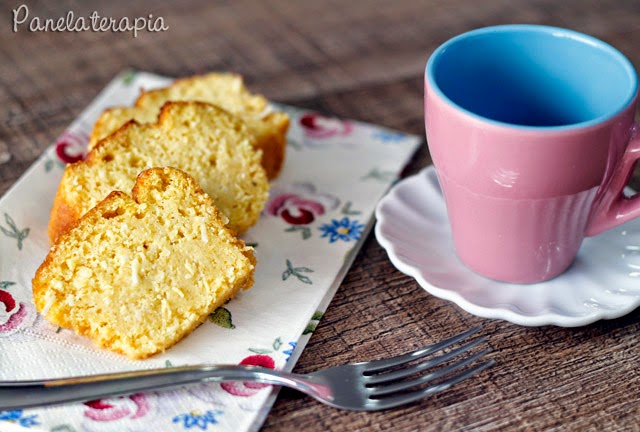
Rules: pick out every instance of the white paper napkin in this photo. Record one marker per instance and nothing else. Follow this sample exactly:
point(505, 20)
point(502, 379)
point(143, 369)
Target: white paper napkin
point(319, 211)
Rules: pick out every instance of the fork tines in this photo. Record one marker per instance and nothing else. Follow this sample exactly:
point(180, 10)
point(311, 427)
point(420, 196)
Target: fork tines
point(412, 376)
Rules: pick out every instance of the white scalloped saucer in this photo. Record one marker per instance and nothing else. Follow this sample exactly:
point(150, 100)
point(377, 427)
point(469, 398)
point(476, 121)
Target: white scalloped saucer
point(602, 283)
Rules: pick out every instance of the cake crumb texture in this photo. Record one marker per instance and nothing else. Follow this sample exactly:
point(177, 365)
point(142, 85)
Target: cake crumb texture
point(138, 273)
point(203, 140)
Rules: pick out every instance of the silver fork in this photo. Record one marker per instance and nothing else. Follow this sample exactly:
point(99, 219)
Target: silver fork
point(366, 386)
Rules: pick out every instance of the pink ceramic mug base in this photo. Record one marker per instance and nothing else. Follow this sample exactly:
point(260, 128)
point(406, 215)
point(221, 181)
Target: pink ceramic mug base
point(521, 241)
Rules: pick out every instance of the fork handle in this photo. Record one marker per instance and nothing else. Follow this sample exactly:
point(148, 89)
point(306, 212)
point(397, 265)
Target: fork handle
point(29, 394)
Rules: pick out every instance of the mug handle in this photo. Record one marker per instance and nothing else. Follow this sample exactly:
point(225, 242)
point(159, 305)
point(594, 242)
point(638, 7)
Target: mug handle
point(615, 208)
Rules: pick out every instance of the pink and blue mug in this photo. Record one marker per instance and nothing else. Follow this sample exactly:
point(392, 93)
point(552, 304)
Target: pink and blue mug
point(531, 131)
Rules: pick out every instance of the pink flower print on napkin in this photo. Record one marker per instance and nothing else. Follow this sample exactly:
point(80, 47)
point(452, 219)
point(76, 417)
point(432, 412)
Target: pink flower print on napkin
point(318, 126)
point(246, 389)
point(125, 407)
point(70, 147)
point(299, 203)
point(14, 314)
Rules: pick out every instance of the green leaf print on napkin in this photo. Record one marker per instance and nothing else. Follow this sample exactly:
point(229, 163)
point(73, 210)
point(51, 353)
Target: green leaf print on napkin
point(128, 76)
point(222, 318)
point(275, 347)
point(379, 175)
point(296, 271)
point(313, 323)
point(304, 230)
point(13, 231)
point(6, 284)
point(348, 211)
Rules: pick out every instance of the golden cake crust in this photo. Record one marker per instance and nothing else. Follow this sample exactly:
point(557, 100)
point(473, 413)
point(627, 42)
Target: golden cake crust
point(223, 89)
point(204, 140)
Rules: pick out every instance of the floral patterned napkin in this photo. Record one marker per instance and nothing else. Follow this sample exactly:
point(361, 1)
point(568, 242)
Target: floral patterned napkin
point(319, 212)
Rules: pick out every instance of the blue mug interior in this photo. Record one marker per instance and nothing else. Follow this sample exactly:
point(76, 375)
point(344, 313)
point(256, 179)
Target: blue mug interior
point(533, 76)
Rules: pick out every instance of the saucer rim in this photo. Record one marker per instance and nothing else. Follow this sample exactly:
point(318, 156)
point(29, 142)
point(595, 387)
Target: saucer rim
point(506, 312)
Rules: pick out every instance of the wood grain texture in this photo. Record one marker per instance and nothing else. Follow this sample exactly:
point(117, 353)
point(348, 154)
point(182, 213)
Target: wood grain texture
point(362, 60)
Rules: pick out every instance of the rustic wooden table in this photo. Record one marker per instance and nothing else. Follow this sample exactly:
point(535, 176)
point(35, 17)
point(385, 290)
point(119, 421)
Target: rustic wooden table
point(362, 60)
